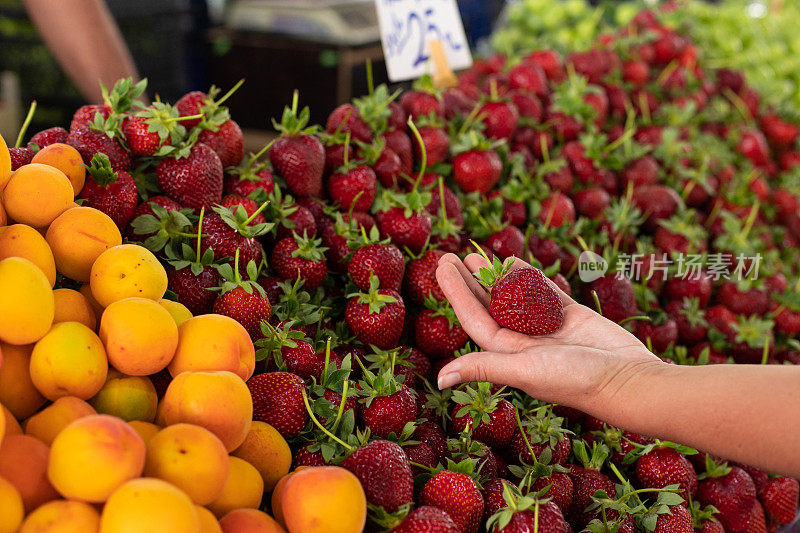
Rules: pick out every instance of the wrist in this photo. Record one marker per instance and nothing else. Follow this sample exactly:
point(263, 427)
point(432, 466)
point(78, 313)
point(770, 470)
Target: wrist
point(624, 381)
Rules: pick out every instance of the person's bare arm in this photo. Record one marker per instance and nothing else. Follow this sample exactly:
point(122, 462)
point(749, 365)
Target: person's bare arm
point(86, 41)
point(746, 413)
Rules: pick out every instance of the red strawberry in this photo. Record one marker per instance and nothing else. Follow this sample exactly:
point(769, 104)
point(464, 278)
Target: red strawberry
point(166, 224)
point(193, 181)
point(113, 193)
point(49, 136)
point(226, 232)
point(586, 481)
point(406, 223)
point(457, 495)
point(780, 132)
point(427, 519)
point(300, 258)
point(193, 287)
point(436, 143)
point(666, 466)
point(477, 170)
point(421, 104)
point(546, 517)
point(376, 316)
point(299, 220)
point(779, 497)
point(641, 171)
point(557, 210)
point(297, 155)
point(732, 493)
point(636, 72)
point(616, 296)
point(354, 189)
point(304, 457)
point(559, 488)
point(543, 432)
point(754, 147)
point(192, 103)
point(758, 522)
point(83, 117)
point(691, 320)
point(89, 142)
point(232, 201)
point(745, 301)
point(522, 300)
point(227, 141)
point(385, 475)
point(347, 119)
point(591, 202)
point(388, 405)
point(506, 242)
point(661, 331)
point(437, 330)
point(499, 118)
point(656, 202)
point(473, 406)
point(20, 156)
point(383, 260)
point(698, 287)
point(278, 401)
point(243, 300)
point(400, 143)
point(529, 76)
point(420, 277)
point(433, 435)
point(249, 179)
point(677, 520)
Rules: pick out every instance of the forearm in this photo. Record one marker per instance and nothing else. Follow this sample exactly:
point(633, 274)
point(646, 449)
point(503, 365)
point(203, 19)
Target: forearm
point(86, 41)
point(747, 413)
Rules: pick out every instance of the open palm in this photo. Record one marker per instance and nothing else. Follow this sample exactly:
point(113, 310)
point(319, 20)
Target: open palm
point(588, 356)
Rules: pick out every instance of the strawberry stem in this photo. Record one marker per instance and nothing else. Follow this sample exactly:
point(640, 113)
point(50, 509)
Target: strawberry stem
point(25, 124)
point(237, 278)
point(340, 411)
point(200, 232)
point(545, 149)
point(321, 427)
point(644, 107)
point(441, 198)
point(256, 213)
point(179, 119)
point(524, 434)
point(231, 91)
point(765, 354)
point(597, 303)
point(423, 152)
point(370, 83)
point(347, 149)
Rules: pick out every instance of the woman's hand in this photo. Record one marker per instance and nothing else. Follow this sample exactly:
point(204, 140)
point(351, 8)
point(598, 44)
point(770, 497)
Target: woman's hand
point(586, 361)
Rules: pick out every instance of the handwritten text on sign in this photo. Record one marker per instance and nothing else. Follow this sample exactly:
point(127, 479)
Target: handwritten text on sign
point(407, 26)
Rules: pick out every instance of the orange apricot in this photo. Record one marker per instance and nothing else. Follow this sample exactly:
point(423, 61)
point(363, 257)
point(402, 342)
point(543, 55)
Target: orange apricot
point(62, 516)
point(36, 194)
point(17, 391)
point(249, 521)
point(102, 445)
point(267, 450)
point(218, 401)
point(191, 458)
point(66, 159)
point(146, 430)
point(26, 301)
point(243, 489)
point(148, 505)
point(19, 240)
point(11, 424)
point(214, 342)
point(208, 522)
point(23, 462)
point(179, 312)
point(5, 163)
point(324, 498)
point(49, 422)
point(140, 336)
point(86, 291)
point(69, 361)
point(77, 237)
point(72, 306)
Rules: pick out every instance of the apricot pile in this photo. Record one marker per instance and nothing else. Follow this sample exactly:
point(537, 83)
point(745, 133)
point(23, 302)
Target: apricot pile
point(120, 411)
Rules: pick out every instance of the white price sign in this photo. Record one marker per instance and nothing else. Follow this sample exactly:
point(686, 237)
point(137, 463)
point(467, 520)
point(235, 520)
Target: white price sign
point(408, 27)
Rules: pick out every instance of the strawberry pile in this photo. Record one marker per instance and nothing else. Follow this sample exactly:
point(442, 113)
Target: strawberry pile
point(324, 246)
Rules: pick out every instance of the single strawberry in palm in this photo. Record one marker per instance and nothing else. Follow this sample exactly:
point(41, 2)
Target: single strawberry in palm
point(376, 316)
point(297, 155)
point(113, 193)
point(522, 299)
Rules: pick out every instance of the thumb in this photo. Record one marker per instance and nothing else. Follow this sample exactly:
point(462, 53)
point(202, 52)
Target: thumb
point(493, 367)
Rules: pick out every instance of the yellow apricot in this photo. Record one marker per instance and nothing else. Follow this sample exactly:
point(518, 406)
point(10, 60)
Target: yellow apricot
point(267, 450)
point(77, 237)
point(146, 430)
point(125, 271)
point(249, 521)
point(127, 397)
point(5, 163)
point(208, 522)
point(66, 159)
point(149, 505)
point(17, 391)
point(140, 336)
point(214, 342)
point(72, 306)
point(49, 422)
point(94, 456)
point(324, 498)
point(69, 361)
point(62, 516)
point(243, 489)
point(36, 194)
point(26, 302)
point(191, 458)
point(19, 240)
point(179, 312)
point(11, 509)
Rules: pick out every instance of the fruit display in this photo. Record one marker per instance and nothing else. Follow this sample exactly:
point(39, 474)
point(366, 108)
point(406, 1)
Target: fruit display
point(755, 37)
point(234, 342)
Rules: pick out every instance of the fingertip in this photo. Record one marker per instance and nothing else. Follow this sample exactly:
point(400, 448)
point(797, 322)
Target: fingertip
point(447, 380)
point(475, 262)
point(449, 258)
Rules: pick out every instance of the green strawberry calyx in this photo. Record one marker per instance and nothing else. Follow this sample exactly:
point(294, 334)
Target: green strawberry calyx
point(293, 123)
point(495, 270)
point(373, 297)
